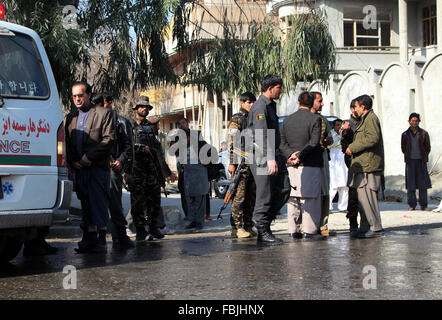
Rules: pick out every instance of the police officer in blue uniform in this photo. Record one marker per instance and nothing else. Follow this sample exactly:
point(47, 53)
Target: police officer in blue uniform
point(268, 168)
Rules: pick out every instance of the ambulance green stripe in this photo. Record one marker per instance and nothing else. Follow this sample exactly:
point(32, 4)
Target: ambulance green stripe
point(25, 160)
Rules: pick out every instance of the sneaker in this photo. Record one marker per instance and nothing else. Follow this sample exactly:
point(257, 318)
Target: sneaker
point(437, 209)
point(241, 233)
point(130, 233)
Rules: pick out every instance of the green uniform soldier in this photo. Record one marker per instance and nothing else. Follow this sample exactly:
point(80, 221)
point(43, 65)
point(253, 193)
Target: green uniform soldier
point(243, 202)
point(145, 180)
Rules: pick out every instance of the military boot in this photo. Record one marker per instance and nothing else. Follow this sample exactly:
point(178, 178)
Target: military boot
point(265, 236)
point(241, 233)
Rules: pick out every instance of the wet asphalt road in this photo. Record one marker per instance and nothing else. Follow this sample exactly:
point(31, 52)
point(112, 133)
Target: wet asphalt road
point(404, 264)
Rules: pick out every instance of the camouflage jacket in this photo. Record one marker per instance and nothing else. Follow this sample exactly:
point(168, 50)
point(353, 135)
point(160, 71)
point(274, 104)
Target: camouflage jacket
point(237, 124)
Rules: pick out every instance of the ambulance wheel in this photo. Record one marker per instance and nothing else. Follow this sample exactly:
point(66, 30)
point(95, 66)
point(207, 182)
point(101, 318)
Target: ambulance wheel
point(9, 248)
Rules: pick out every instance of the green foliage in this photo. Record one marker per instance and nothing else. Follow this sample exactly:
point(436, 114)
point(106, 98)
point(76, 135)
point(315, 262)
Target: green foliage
point(235, 64)
point(65, 48)
point(118, 45)
point(309, 51)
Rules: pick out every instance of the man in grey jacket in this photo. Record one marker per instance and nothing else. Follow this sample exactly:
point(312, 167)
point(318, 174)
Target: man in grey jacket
point(268, 168)
point(300, 144)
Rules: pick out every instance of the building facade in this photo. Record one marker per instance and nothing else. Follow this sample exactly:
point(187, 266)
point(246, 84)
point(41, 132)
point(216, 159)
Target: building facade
point(391, 50)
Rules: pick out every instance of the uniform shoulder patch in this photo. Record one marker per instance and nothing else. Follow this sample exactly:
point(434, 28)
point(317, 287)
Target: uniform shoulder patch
point(261, 116)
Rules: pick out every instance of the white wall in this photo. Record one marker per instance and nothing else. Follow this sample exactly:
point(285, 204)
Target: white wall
point(394, 109)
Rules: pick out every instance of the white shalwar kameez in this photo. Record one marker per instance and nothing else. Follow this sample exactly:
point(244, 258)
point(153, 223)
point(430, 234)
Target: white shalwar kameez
point(338, 173)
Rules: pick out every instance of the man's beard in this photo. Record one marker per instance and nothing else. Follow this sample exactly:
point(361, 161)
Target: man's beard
point(142, 114)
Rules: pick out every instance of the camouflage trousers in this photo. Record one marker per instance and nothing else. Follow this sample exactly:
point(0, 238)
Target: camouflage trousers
point(244, 201)
point(145, 194)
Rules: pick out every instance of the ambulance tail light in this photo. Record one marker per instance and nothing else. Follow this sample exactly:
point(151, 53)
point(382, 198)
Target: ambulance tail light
point(61, 147)
point(2, 11)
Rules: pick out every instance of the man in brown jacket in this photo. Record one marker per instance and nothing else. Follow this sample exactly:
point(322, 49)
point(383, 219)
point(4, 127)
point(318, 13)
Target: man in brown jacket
point(415, 144)
point(90, 135)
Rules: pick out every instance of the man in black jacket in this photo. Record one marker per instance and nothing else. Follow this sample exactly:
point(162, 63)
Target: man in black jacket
point(121, 161)
point(268, 168)
point(300, 144)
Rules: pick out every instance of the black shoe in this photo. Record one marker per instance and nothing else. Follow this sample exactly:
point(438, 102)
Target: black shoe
point(100, 245)
point(354, 232)
point(265, 236)
point(191, 225)
point(371, 234)
point(296, 235)
point(99, 248)
point(313, 237)
point(199, 226)
point(88, 241)
point(156, 233)
point(123, 242)
point(32, 248)
point(141, 234)
point(252, 230)
point(47, 247)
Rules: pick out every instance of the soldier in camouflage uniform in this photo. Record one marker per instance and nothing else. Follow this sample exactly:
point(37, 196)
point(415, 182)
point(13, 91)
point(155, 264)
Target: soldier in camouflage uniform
point(146, 178)
point(243, 202)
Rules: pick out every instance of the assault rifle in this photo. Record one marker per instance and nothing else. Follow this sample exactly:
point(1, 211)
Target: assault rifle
point(233, 183)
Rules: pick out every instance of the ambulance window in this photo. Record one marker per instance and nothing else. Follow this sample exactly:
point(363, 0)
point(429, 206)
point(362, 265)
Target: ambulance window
point(21, 74)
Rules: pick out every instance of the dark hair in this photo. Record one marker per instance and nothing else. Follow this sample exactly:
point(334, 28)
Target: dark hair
point(98, 99)
point(107, 97)
point(306, 99)
point(353, 104)
point(314, 93)
point(247, 96)
point(83, 83)
point(414, 115)
point(270, 81)
point(182, 118)
point(366, 101)
point(336, 120)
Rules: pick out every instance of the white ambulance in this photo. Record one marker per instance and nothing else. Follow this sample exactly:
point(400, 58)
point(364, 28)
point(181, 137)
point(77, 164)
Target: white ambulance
point(34, 184)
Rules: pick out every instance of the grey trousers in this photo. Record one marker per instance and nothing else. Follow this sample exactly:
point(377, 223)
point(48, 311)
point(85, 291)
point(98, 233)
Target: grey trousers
point(304, 204)
point(367, 186)
point(305, 212)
